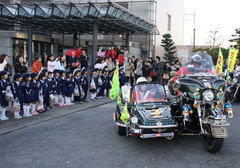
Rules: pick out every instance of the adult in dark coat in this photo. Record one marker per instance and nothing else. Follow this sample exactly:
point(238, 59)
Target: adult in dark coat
point(84, 60)
point(158, 69)
point(19, 66)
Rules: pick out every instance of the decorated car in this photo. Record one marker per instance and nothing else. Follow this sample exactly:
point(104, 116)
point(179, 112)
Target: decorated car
point(149, 113)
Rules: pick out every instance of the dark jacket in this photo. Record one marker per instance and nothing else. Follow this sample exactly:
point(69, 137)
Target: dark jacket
point(20, 68)
point(158, 68)
point(84, 61)
point(146, 71)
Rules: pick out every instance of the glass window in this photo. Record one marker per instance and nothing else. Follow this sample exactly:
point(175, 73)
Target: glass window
point(169, 22)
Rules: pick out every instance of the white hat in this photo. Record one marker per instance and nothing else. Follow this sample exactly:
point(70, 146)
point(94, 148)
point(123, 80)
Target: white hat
point(141, 80)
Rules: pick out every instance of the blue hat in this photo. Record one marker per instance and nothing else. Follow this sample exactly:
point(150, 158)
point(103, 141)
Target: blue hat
point(83, 70)
point(3, 73)
point(41, 76)
point(26, 75)
point(33, 75)
point(55, 71)
point(16, 76)
point(69, 72)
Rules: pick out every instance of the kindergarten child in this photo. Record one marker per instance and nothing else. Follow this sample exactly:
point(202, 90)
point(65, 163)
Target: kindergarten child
point(122, 76)
point(103, 88)
point(63, 88)
point(27, 88)
point(77, 86)
point(56, 86)
point(69, 88)
point(4, 85)
point(18, 95)
point(93, 84)
point(42, 92)
point(35, 85)
point(84, 83)
point(49, 90)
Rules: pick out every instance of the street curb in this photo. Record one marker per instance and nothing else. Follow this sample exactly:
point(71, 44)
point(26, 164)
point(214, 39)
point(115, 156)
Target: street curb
point(60, 116)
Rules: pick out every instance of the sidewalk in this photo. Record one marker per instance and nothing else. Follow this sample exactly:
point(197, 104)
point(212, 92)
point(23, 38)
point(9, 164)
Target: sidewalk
point(57, 112)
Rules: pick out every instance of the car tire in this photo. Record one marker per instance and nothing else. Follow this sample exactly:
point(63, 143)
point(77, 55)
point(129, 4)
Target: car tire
point(121, 131)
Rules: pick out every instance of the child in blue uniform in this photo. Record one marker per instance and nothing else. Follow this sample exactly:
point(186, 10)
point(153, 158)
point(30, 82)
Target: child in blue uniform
point(18, 95)
point(84, 83)
point(69, 88)
point(63, 88)
point(4, 85)
point(103, 89)
point(122, 77)
point(93, 84)
point(27, 88)
point(48, 84)
point(56, 86)
point(42, 92)
point(35, 85)
point(77, 86)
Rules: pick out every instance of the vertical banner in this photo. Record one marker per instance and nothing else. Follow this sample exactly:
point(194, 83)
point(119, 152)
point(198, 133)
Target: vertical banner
point(220, 62)
point(232, 55)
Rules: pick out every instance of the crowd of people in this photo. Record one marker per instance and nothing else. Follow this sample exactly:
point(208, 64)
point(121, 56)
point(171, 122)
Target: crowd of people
point(65, 80)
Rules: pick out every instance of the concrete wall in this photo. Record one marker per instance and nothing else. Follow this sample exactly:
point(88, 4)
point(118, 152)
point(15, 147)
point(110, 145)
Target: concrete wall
point(6, 47)
point(175, 8)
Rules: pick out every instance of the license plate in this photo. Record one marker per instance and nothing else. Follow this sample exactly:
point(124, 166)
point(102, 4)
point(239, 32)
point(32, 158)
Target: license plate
point(157, 135)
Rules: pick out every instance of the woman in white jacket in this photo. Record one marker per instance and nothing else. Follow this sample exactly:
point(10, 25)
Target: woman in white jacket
point(4, 62)
point(60, 65)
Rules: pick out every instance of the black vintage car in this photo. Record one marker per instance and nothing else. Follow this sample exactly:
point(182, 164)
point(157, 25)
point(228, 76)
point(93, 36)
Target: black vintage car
point(150, 113)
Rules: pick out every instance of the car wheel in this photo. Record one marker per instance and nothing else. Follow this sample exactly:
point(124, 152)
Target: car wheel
point(211, 144)
point(121, 130)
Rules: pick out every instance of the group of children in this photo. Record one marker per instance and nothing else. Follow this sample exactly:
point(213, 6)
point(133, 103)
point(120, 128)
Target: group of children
point(35, 93)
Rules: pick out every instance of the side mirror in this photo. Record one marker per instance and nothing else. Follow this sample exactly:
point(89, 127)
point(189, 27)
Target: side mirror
point(221, 74)
point(173, 73)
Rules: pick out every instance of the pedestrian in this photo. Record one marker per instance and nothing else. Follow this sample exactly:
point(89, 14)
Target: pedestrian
point(166, 73)
point(121, 59)
point(84, 83)
point(157, 66)
point(73, 61)
point(138, 71)
point(103, 88)
point(146, 70)
point(84, 60)
point(18, 95)
point(77, 86)
point(49, 90)
point(3, 62)
point(130, 72)
point(19, 66)
point(122, 77)
point(35, 93)
point(176, 67)
point(69, 88)
point(56, 86)
point(51, 63)
point(78, 52)
point(28, 94)
point(63, 88)
point(61, 63)
point(37, 65)
point(110, 63)
point(93, 84)
point(42, 92)
point(4, 87)
point(118, 52)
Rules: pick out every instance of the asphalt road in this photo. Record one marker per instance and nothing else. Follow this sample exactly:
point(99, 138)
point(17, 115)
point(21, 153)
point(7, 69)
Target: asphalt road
point(88, 139)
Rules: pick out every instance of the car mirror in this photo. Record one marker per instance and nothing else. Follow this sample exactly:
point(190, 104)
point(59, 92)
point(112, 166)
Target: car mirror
point(221, 74)
point(173, 73)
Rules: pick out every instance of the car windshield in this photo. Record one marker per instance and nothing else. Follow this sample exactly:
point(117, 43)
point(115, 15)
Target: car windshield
point(148, 93)
point(199, 63)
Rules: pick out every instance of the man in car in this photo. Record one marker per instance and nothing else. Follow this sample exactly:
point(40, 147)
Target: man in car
point(196, 61)
point(142, 93)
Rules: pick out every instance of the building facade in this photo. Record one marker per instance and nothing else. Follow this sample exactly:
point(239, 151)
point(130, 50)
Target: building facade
point(166, 14)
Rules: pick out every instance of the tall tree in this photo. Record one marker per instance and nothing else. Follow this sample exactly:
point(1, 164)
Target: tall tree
point(214, 38)
point(168, 45)
point(236, 39)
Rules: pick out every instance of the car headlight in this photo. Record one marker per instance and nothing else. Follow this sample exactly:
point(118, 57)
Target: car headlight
point(134, 120)
point(235, 80)
point(208, 95)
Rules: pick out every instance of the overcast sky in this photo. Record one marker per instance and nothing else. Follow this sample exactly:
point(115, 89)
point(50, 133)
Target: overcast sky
point(223, 15)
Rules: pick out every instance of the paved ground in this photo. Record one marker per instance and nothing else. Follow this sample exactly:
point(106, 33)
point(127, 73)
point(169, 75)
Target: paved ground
point(88, 139)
